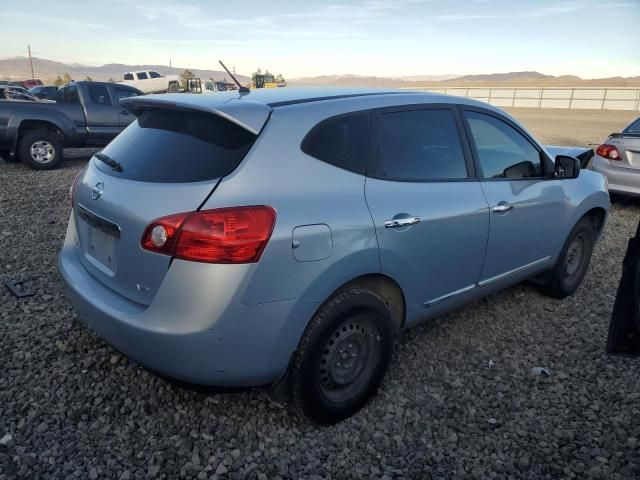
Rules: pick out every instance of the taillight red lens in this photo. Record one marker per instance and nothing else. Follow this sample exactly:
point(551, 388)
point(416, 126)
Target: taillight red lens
point(610, 152)
point(225, 235)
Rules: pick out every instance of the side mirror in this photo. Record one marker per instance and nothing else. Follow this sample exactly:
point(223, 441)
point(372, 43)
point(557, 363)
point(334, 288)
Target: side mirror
point(567, 167)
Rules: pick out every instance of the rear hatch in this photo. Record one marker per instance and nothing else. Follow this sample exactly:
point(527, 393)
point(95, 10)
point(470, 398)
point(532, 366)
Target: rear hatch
point(168, 161)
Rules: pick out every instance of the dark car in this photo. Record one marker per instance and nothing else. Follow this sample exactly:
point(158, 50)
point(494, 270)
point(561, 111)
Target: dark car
point(45, 92)
point(85, 114)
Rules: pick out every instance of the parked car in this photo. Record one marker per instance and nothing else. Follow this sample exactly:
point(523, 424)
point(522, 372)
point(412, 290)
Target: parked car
point(84, 114)
point(283, 237)
point(149, 81)
point(45, 92)
point(10, 92)
point(618, 159)
point(29, 83)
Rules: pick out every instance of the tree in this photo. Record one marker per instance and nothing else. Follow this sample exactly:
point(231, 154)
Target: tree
point(88, 79)
point(66, 78)
point(280, 78)
point(184, 75)
point(111, 80)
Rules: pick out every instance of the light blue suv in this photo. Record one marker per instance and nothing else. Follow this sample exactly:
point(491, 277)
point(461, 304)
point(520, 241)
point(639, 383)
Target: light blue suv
point(283, 237)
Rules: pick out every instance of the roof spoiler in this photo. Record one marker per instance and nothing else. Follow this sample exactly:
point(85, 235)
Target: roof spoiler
point(249, 115)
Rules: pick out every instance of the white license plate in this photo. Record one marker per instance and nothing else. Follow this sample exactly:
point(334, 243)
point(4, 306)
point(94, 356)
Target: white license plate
point(102, 247)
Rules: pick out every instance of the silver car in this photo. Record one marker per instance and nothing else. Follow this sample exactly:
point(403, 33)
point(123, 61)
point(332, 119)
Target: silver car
point(618, 159)
point(283, 237)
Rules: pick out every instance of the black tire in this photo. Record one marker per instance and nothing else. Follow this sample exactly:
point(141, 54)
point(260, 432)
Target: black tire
point(173, 87)
point(573, 262)
point(41, 149)
point(355, 324)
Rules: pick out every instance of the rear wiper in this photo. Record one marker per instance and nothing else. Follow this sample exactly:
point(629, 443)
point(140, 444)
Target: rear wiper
point(114, 164)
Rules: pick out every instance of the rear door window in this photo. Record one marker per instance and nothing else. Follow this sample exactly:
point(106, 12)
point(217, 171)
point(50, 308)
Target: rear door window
point(341, 141)
point(175, 146)
point(142, 76)
point(128, 76)
point(99, 94)
point(419, 145)
point(154, 75)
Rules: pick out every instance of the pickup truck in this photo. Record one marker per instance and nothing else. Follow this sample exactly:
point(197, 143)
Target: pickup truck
point(149, 81)
point(85, 114)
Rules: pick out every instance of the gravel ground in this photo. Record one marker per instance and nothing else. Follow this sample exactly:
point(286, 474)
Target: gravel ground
point(460, 400)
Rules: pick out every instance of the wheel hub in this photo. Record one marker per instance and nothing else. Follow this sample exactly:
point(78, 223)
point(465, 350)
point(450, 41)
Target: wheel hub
point(348, 359)
point(42, 151)
point(574, 256)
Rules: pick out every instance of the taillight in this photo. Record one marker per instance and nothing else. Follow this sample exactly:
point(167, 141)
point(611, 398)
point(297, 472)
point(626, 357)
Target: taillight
point(224, 235)
point(72, 188)
point(610, 152)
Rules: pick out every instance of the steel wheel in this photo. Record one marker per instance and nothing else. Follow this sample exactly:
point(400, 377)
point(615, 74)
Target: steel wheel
point(42, 151)
point(574, 256)
point(349, 359)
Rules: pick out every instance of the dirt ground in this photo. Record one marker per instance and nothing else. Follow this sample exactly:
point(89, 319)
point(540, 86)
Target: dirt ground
point(572, 127)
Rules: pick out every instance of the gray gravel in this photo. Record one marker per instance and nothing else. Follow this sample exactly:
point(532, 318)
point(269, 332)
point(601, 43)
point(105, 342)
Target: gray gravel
point(514, 385)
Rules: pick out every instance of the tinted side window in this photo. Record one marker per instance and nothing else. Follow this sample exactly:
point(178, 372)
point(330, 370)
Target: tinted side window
point(502, 150)
point(142, 76)
point(419, 145)
point(341, 141)
point(154, 75)
point(99, 94)
point(128, 76)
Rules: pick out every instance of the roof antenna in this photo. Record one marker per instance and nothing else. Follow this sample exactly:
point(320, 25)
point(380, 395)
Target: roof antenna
point(241, 88)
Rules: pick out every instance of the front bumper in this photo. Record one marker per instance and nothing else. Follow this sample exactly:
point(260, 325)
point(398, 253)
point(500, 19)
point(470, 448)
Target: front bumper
point(621, 180)
point(196, 329)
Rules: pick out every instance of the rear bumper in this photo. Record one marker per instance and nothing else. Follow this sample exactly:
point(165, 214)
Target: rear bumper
point(621, 180)
point(201, 334)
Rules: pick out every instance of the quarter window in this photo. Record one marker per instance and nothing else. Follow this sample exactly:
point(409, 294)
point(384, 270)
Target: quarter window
point(124, 93)
point(419, 145)
point(503, 152)
point(341, 141)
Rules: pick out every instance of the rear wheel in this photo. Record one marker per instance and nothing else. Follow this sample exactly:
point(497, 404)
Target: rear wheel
point(342, 357)
point(573, 262)
point(173, 87)
point(41, 149)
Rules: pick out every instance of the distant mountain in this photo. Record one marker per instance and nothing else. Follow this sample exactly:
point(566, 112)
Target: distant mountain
point(499, 77)
point(47, 70)
point(511, 79)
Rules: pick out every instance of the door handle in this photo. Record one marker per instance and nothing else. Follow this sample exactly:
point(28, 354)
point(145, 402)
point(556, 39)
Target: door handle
point(401, 222)
point(503, 208)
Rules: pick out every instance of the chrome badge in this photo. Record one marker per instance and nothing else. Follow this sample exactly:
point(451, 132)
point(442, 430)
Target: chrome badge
point(97, 190)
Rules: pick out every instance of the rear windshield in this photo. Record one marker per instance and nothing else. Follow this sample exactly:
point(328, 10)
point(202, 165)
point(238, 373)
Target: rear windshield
point(174, 146)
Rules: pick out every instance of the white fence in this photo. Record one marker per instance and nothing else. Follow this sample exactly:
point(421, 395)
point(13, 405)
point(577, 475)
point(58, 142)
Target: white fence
point(552, 97)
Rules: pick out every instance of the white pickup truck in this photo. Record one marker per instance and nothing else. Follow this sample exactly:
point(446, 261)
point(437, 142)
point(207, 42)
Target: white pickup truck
point(152, 82)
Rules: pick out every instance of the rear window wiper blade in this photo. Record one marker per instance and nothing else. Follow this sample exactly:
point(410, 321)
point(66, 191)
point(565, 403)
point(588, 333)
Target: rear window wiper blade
point(114, 164)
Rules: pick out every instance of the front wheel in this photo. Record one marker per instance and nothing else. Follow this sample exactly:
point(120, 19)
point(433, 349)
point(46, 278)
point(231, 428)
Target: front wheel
point(342, 357)
point(573, 262)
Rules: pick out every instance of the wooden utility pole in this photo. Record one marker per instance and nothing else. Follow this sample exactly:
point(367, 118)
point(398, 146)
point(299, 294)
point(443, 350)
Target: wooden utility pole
point(170, 67)
point(31, 62)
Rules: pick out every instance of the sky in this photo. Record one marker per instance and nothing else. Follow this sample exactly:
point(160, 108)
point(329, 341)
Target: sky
point(588, 38)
